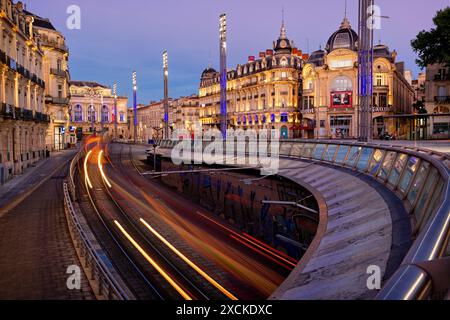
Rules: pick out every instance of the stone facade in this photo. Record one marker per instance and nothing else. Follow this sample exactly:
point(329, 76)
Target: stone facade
point(92, 109)
point(23, 114)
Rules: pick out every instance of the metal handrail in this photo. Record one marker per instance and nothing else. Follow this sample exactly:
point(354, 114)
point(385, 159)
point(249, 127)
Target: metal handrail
point(409, 282)
point(108, 285)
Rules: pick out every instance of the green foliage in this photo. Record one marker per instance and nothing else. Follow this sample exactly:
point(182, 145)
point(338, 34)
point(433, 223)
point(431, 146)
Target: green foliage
point(434, 46)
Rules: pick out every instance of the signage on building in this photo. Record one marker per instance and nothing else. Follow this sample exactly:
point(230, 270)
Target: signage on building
point(341, 99)
point(380, 109)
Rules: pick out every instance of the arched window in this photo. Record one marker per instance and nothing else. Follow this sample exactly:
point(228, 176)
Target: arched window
point(341, 83)
point(105, 113)
point(91, 114)
point(78, 113)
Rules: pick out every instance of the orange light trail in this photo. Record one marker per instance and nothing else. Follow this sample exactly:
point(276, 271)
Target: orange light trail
point(161, 271)
point(189, 262)
point(250, 241)
point(86, 171)
point(269, 247)
point(100, 166)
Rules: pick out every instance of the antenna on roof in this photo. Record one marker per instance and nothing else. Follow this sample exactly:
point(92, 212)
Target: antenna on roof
point(345, 12)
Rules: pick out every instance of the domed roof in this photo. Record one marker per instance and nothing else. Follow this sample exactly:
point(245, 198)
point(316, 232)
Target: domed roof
point(344, 38)
point(317, 58)
point(381, 50)
point(209, 72)
point(283, 45)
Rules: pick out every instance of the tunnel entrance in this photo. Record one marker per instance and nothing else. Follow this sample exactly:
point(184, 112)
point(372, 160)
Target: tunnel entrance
point(237, 196)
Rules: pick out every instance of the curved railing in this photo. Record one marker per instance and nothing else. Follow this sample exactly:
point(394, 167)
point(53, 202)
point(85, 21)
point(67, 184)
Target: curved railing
point(420, 178)
point(95, 262)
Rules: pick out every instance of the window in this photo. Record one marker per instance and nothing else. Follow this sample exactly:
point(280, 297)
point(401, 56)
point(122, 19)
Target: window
point(91, 114)
point(60, 91)
point(59, 64)
point(78, 113)
point(121, 117)
point(105, 114)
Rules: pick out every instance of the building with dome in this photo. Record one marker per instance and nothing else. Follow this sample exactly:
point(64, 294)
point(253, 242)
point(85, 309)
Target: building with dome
point(261, 94)
point(329, 107)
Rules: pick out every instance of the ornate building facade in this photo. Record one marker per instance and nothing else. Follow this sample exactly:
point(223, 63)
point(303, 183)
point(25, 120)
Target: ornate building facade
point(56, 77)
point(23, 115)
point(92, 109)
point(329, 105)
point(437, 101)
point(261, 94)
point(183, 115)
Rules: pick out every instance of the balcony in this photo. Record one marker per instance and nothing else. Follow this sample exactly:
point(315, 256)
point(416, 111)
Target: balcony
point(58, 72)
point(442, 77)
point(6, 110)
point(40, 117)
point(56, 100)
point(54, 44)
point(442, 99)
point(307, 111)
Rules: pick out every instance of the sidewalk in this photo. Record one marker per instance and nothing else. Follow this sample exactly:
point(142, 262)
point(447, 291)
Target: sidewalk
point(17, 189)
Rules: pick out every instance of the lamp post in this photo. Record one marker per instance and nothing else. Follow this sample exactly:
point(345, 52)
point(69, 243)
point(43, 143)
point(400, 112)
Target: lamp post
point(101, 113)
point(166, 94)
point(365, 70)
point(223, 74)
point(135, 120)
point(115, 110)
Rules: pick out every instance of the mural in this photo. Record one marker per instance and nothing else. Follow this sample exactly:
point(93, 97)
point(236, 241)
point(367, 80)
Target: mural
point(233, 197)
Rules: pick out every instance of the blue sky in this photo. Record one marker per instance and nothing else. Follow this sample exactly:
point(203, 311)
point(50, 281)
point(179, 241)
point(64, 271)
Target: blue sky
point(117, 37)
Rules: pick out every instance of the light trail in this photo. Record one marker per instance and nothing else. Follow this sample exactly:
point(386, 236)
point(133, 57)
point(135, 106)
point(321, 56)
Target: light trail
point(161, 271)
point(270, 248)
point(189, 262)
point(85, 169)
point(100, 166)
point(290, 263)
point(260, 252)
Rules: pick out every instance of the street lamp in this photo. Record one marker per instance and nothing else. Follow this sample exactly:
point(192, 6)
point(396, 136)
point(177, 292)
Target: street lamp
point(135, 120)
point(115, 109)
point(166, 94)
point(223, 74)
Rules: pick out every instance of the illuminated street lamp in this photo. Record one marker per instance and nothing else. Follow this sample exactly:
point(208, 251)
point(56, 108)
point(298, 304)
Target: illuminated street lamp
point(135, 120)
point(166, 94)
point(223, 74)
point(115, 109)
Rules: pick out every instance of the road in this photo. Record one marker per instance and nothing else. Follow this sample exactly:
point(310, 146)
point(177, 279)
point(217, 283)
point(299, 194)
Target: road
point(183, 251)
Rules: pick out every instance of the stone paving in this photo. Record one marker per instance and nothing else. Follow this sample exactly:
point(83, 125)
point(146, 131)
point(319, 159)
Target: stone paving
point(35, 244)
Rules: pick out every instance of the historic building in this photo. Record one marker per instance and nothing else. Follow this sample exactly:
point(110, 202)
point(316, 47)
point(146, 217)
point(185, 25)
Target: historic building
point(437, 101)
point(263, 93)
point(329, 105)
point(183, 115)
point(56, 77)
point(23, 115)
point(92, 109)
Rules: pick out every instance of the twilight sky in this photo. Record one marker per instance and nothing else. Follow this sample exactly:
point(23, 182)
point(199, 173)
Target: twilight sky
point(119, 36)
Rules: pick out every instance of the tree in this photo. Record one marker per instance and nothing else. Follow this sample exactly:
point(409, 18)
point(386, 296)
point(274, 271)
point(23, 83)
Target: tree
point(434, 46)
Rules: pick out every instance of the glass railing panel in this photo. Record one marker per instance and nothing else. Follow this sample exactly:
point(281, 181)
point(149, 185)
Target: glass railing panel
point(429, 185)
point(318, 152)
point(363, 162)
point(397, 169)
point(307, 150)
point(376, 161)
point(331, 151)
point(353, 156)
point(433, 203)
point(387, 165)
point(418, 182)
point(341, 154)
point(285, 148)
point(297, 149)
point(411, 169)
